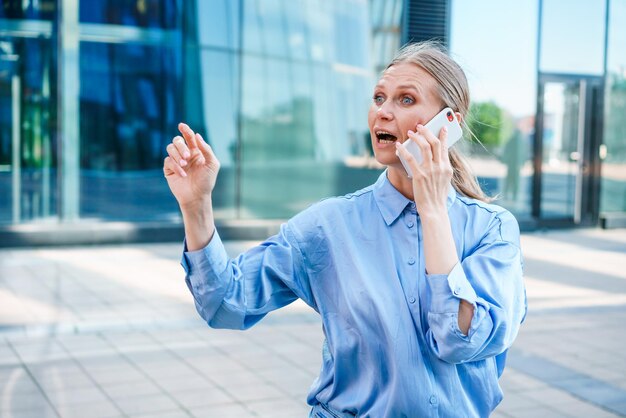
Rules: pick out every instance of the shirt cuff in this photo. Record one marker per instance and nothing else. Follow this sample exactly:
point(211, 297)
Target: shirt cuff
point(213, 257)
point(448, 289)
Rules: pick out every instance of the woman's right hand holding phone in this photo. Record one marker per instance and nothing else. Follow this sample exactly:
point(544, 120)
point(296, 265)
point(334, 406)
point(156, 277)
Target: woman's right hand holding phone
point(191, 170)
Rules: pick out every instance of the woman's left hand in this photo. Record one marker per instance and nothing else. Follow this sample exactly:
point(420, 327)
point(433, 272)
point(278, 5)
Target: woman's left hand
point(431, 178)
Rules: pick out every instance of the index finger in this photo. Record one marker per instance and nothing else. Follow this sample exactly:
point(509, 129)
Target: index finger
point(188, 134)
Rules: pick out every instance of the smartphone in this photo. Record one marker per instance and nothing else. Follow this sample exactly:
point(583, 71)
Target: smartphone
point(444, 118)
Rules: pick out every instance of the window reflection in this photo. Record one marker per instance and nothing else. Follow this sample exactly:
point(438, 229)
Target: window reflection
point(27, 148)
point(613, 186)
point(128, 114)
point(572, 36)
point(503, 88)
point(29, 9)
point(142, 13)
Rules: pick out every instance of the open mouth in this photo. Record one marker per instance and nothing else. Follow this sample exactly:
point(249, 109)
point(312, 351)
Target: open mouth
point(385, 137)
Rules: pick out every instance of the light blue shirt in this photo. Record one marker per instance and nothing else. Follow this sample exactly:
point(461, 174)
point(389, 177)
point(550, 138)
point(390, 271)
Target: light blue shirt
point(393, 347)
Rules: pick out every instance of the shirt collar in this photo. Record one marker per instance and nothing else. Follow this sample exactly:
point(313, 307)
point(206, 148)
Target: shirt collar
point(392, 203)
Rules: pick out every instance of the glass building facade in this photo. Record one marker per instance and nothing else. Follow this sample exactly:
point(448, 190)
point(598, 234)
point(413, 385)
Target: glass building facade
point(91, 92)
point(548, 106)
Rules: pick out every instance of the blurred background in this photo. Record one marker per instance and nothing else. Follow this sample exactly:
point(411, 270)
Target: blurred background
point(91, 92)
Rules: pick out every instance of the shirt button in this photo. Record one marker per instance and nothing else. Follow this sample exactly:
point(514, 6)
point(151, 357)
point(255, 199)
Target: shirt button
point(411, 299)
point(433, 400)
point(411, 261)
point(457, 291)
point(410, 224)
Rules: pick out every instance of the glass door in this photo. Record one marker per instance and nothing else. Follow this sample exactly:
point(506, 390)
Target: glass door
point(27, 174)
point(565, 187)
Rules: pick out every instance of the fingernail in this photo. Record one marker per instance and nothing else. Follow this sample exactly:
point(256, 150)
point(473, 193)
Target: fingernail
point(183, 163)
point(445, 129)
point(187, 155)
point(411, 132)
point(184, 173)
point(419, 126)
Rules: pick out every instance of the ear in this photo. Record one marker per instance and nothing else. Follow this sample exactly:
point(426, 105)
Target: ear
point(459, 117)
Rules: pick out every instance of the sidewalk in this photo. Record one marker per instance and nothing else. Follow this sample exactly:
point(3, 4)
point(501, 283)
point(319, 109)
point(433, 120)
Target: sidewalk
point(112, 332)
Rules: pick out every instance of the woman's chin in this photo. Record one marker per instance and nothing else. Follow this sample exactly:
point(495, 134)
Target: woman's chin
point(388, 160)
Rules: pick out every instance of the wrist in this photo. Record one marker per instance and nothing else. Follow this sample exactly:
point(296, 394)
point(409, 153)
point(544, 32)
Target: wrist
point(196, 207)
point(434, 216)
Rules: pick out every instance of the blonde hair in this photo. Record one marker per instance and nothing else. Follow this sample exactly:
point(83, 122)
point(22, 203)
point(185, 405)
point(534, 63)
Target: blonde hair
point(453, 90)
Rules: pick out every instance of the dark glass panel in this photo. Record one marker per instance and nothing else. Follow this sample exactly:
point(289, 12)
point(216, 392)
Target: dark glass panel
point(31, 9)
point(28, 147)
point(128, 106)
point(162, 14)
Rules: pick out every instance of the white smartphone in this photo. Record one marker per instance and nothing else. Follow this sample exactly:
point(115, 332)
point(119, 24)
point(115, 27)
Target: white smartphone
point(444, 118)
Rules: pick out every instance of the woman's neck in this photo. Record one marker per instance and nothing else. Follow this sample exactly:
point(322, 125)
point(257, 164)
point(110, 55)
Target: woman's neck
point(398, 178)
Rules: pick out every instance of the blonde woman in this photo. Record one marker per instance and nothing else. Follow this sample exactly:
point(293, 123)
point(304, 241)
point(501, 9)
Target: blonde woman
point(418, 281)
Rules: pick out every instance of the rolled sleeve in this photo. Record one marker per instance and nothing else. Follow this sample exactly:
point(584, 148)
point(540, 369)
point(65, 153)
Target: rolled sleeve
point(489, 278)
point(448, 289)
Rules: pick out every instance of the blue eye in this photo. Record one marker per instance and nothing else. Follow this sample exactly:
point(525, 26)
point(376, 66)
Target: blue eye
point(379, 99)
point(407, 100)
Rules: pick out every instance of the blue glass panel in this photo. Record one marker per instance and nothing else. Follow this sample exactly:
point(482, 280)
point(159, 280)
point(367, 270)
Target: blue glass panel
point(217, 23)
point(297, 33)
point(141, 13)
point(252, 28)
point(350, 23)
point(27, 148)
point(220, 98)
point(613, 186)
point(503, 91)
point(128, 105)
point(20, 9)
point(572, 36)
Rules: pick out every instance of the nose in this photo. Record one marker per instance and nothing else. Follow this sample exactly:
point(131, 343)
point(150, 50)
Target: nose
point(384, 111)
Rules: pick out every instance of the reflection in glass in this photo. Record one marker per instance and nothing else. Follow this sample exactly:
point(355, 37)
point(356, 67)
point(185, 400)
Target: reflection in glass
point(219, 98)
point(141, 13)
point(572, 36)
point(27, 149)
point(613, 182)
point(559, 167)
point(30, 9)
point(128, 115)
point(503, 91)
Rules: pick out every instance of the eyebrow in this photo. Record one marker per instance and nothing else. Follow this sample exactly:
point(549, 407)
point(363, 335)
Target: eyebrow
point(402, 87)
point(410, 87)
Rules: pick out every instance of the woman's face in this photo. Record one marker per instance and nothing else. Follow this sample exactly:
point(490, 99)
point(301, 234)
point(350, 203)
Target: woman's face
point(405, 96)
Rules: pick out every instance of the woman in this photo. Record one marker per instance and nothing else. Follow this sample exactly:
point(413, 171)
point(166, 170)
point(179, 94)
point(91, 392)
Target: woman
point(418, 281)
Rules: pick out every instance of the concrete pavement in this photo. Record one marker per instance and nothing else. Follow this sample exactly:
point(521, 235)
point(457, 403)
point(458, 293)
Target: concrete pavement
point(111, 331)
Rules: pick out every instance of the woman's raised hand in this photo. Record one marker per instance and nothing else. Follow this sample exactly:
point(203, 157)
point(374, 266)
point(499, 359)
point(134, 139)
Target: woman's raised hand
point(431, 178)
point(190, 169)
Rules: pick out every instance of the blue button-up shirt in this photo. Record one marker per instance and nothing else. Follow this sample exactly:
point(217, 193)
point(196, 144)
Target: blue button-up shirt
point(393, 347)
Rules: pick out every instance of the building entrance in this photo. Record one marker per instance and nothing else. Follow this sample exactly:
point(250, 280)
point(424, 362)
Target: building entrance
point(568, 127)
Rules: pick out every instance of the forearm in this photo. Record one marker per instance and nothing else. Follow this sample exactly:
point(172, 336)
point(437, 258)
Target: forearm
point(441, 256)
point(199, 224)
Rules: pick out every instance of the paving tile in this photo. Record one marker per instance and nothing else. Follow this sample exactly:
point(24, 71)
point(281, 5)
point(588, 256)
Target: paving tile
point(285, 408)
point(89, 410)
point(203, 397)
point(170, 414)
point(250, 393)
point(22, 402)
point(37, 411)
point(221, 411)
point(146, 404)
point(76, 396)
point(536, 412)
point(122, 390)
